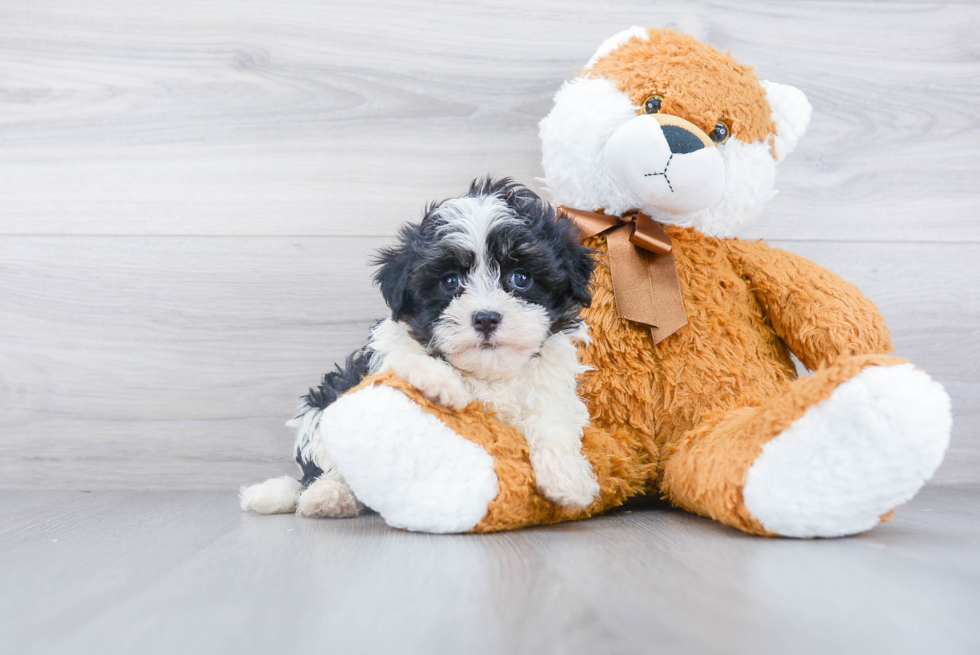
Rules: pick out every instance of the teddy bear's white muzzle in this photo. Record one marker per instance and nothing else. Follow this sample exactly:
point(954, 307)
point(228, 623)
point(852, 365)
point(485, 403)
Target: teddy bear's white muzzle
point(672, 168)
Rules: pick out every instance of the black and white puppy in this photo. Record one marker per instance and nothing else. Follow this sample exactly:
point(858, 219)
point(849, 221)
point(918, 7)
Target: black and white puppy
point(485, 294)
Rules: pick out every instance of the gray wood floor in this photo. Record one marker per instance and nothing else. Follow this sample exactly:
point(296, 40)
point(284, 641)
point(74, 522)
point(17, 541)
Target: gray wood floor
point(185, 572)
point(189, 193)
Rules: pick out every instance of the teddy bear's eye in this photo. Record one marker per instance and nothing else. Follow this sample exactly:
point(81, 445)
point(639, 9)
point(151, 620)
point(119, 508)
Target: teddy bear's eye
point(720, 134)
point(652, 104)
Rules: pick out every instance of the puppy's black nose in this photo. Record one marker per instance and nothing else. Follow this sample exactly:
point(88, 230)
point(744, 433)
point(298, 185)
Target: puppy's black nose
point(680, 140)
point(486, 322)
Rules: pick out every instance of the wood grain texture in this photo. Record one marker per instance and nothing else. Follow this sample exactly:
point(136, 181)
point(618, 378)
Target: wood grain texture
point(308, 117)
point(189, 193)
point(168, 361)
point(185, 572)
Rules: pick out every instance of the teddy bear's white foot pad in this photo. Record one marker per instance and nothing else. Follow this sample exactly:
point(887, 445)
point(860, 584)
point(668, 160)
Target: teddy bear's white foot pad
point(853, 457)
point(406, 464)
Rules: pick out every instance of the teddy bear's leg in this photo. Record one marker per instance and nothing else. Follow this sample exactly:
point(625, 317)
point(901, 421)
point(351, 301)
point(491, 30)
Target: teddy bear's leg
point(406, 464)
point(427, 468)
point(829, 456)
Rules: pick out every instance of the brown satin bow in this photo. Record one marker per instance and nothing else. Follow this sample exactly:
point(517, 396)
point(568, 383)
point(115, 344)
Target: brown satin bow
point(641, 263)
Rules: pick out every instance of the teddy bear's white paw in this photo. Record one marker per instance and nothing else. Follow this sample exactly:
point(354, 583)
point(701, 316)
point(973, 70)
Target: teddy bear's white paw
point(857, 455)
point(406, 464)
point(328, 496)
point(437, 381)
point(566, 479)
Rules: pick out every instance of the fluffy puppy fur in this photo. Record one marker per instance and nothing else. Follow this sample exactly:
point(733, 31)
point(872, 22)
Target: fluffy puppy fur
point(485, 294)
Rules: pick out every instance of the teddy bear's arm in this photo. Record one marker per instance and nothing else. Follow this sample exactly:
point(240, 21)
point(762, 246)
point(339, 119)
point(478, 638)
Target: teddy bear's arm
point(819, 315)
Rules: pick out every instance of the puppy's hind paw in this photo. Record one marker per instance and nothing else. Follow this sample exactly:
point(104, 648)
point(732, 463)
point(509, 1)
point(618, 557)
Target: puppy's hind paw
point(275, 496)
point(567, 480)
point(329, 497)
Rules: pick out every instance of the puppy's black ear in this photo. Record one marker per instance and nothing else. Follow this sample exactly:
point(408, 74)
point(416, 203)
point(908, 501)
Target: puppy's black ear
point(566, 242)
point(396, 264)
point(577, 259)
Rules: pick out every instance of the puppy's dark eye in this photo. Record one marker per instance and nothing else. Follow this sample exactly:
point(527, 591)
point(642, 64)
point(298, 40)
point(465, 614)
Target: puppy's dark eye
point(720, 134)
point(652, 104)
point(450, 282)
point(520, 280)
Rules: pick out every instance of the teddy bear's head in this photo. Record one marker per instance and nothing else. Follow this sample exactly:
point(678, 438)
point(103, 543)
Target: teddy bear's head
point(661, 122)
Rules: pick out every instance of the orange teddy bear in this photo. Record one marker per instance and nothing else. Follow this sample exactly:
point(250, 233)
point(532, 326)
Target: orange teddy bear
point(660, 149)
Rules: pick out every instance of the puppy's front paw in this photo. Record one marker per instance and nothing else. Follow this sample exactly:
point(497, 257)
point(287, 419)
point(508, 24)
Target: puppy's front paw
point(566, 479)
point(441, 389)
point(440, 384)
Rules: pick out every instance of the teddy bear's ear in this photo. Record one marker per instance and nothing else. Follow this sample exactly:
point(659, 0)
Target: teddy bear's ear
point(790, 112)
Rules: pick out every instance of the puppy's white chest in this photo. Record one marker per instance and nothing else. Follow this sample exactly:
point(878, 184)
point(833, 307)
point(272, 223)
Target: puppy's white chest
point(510, 399)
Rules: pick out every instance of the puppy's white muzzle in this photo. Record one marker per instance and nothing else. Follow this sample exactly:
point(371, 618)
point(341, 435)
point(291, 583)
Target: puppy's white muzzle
point(668, 163)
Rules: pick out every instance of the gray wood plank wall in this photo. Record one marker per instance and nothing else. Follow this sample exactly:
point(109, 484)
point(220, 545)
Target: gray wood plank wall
point(189, 193)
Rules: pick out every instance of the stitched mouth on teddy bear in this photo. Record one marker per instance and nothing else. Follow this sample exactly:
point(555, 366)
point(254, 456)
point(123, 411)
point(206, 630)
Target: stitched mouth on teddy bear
point(664, 173)
point(667, 163)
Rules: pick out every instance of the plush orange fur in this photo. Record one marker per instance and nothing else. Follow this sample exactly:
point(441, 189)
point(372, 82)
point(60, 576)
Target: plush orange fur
point(697, 83)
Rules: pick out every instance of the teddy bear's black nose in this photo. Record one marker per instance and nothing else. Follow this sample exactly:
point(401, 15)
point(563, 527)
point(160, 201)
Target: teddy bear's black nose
point(680, 140)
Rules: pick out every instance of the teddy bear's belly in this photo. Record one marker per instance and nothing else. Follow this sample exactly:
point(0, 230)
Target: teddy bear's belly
point(727, 356)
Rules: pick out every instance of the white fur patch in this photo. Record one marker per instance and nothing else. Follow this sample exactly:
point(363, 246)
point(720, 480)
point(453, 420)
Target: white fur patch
point(469, 221)
point(791, 113)
point(275, 496)
point(523, 327)
point(406, 464)
point(390, 339)
point(306, 424)
point(617, 40)
point(853, 457)
point(574, 134)
point(750, 177)
point(638, 157)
